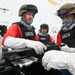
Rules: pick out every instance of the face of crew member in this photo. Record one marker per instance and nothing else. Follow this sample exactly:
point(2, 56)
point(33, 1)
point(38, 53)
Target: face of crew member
point(28, 17)
point(66, 16)
point(68, 19)
point(44, 30)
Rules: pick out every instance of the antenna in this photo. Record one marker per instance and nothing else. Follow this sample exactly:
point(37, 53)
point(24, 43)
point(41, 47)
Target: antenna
point(4, 9)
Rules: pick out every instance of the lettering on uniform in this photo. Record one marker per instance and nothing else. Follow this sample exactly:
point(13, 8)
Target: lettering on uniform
point(65, 35)
point(43, 38)
point(29, 34)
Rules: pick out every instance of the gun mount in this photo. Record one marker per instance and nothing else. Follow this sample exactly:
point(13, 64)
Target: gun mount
point(19, 58)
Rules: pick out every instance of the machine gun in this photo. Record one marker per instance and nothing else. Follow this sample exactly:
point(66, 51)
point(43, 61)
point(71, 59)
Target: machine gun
point(19, 58)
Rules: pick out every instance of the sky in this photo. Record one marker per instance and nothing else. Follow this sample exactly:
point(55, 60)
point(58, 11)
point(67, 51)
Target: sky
point(46, 12)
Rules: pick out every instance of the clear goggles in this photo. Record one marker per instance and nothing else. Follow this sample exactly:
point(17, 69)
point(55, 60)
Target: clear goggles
point(64, 11)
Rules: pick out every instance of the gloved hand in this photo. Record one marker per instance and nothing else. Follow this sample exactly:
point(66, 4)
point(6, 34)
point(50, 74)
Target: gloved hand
point(64, 48)
point(59, 60)
point(67, 49)
point(55, 59)
point(36, 45)
point(11, 42)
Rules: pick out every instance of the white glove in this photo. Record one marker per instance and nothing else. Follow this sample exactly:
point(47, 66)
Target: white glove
point(12, 42)
point(59, 60)
point(67, 49)
point(55, 59)
point(36, 45)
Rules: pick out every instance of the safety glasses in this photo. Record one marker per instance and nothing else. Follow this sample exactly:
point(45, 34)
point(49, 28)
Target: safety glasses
point(64, 11)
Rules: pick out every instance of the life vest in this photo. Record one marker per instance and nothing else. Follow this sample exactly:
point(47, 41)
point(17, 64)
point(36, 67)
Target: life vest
point(68, 37)
point(26, 32)
point(44, 39)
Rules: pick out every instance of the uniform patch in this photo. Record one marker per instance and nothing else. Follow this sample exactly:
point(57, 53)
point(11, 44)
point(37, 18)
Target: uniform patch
point(65, 35)
point(29, 34)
